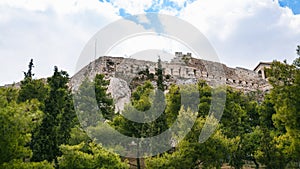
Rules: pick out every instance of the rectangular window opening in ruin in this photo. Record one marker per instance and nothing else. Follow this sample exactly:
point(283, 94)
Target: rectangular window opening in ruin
point(260, 73)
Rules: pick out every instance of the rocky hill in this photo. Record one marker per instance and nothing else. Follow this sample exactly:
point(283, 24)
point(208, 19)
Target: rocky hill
point(182, 69)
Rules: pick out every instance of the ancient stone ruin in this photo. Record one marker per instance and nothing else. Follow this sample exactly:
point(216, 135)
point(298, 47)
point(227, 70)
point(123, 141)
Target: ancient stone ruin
point(182, 69)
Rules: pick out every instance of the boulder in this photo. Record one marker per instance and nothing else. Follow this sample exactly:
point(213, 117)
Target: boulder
point(120, 92)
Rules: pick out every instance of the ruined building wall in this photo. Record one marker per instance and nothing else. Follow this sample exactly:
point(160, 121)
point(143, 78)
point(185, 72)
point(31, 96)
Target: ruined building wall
point(182, 67)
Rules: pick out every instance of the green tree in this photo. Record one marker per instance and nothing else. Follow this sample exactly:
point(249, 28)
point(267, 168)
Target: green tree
point(78, 135)
point(190, 153)
point(145, 105)
point(160, 77)
point(94, 93)
point(141, 97)
point(32, 88)
point(240, 119)
point(87, 114)
point(285, 97)
point(58, 120)
point(141, 101)
point(173, 98)
point(17, 120)
point(29, 73)
point(76, 157)
point(234, 115)
point(92, 100)
point(205, 98)
point(19, 164)
point(104, 99)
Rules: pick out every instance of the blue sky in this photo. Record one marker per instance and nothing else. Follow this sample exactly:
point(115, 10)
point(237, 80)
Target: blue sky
point(294, 5)
point(158, 5)
point(54, 32)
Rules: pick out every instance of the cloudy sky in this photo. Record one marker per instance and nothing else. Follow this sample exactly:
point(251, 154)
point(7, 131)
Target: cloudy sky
point(54, 32)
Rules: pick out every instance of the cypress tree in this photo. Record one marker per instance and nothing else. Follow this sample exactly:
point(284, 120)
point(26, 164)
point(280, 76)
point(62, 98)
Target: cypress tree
point(58, 119)
point(104, 100)
point(159, 72)
point(32, 88)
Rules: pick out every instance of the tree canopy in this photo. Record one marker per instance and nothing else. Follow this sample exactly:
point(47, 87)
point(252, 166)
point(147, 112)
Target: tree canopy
point(40, 128)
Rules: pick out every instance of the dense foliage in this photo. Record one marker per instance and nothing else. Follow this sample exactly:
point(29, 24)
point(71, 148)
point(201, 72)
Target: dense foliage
point(39, 127)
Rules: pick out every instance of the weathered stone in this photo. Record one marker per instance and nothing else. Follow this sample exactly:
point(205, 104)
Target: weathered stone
point(183, 69)
point(120, 92)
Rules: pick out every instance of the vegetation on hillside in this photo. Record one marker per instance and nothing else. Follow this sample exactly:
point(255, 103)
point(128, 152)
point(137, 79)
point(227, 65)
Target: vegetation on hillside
point(40, 127)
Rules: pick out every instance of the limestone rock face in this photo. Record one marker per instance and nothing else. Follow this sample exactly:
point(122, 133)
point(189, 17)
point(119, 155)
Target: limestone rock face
point(120, 92)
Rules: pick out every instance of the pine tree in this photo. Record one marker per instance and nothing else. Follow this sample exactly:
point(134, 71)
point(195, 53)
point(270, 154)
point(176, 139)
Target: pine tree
point(17, 120)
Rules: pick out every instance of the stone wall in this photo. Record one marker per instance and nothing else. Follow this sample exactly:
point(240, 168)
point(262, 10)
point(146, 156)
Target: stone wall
point(182, 67)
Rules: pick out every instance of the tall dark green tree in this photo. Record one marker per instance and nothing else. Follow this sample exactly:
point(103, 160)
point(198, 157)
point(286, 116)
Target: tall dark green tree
point(104, 99)
point(29, 73)
point(160, 77)
point(58, 119)
point(159, 104)
point(32, 88)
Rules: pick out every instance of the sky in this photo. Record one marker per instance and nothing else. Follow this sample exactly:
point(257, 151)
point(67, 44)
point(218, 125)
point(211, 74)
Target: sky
point(54, 32)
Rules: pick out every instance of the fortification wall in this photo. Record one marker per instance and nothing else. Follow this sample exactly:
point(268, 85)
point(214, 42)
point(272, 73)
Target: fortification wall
point(182, 67)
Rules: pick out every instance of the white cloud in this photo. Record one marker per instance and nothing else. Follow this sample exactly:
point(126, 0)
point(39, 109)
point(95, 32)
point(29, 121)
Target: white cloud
point(136, 44)
point(246, 32)
point(50, 32)
point(242, 32)
point(54, 32)
point(135, 7)
point(60, 7)
point(169, 11)
point(132, 6)
point(179, 3)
